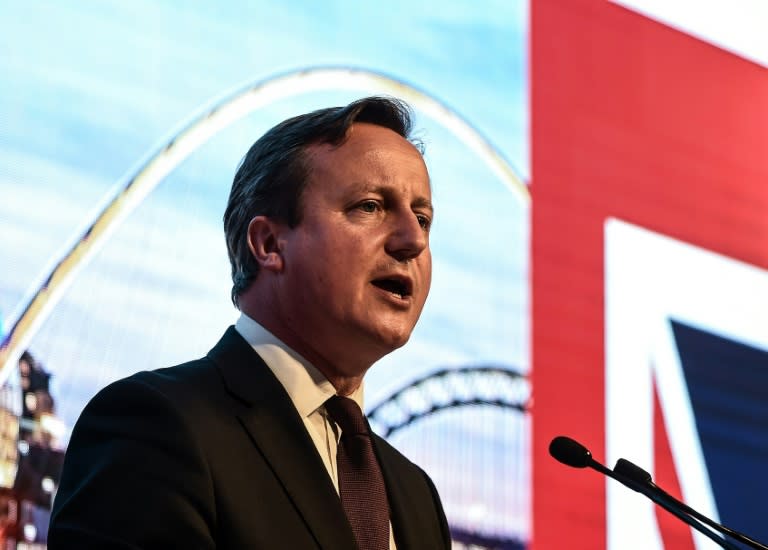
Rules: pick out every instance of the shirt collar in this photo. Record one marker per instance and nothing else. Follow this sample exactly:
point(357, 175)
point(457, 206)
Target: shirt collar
point(307, 387)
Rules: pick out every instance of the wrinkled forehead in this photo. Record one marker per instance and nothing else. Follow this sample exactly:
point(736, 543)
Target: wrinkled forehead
point(368, 147)
point(392, 169)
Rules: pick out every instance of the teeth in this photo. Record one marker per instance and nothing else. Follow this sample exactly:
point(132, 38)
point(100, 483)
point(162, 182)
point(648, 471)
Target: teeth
point(392, 286)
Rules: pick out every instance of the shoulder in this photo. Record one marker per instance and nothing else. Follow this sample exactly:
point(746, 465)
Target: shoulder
point(179, 380)
point(184, 400)
point(134, 432)
point(180, 384)
point(145, 415)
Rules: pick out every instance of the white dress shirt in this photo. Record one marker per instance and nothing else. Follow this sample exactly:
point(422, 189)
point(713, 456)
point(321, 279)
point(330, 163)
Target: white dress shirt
point(308, 389)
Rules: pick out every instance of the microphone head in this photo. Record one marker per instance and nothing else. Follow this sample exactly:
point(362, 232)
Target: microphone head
point(570, 452)
point(632, 471)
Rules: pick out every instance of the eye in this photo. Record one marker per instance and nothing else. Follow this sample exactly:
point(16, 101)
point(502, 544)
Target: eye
point(368, 206)
point(424, 221)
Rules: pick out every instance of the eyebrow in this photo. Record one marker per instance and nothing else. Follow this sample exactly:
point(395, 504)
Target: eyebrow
point(424, 203)
point(421, 202)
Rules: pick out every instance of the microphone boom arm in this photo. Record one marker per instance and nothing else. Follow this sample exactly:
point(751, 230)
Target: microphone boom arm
point(639, 476)
point(669, 504)
point(574, 454)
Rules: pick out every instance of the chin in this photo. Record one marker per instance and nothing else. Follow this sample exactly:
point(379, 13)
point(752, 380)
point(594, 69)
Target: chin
point(385, 337)
point(395, 340)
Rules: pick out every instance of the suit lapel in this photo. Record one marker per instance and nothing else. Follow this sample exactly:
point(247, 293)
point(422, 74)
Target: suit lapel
point(412, 510)
point(403, 524)
point(275, 427)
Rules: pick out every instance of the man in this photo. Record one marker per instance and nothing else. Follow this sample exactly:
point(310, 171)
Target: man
point(327, 228)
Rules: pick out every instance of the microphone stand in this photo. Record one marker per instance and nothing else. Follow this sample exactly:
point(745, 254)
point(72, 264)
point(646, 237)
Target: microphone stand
point(574, 454)
point(643, 479)
point(670, 507)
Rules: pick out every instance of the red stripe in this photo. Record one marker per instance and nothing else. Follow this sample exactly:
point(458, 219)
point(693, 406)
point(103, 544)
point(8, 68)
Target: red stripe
point(635, 120)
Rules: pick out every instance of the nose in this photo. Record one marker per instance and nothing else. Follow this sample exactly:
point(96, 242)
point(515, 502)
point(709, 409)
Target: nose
point(407, 238)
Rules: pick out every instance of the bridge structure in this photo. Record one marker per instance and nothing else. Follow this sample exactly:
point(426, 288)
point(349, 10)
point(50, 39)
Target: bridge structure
point(467, 387)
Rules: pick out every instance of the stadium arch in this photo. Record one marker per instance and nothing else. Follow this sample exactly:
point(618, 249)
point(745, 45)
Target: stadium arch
point(139, 182)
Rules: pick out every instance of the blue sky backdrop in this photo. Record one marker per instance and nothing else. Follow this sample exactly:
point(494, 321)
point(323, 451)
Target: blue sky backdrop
point(89, 89)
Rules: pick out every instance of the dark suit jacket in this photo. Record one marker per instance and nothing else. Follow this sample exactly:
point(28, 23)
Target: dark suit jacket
point(213, 454)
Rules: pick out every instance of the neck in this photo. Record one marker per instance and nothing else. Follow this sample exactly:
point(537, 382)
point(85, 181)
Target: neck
point(345, 385)
point(345, 370)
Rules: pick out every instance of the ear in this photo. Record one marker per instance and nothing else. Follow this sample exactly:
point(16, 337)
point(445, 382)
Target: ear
point(265, 244)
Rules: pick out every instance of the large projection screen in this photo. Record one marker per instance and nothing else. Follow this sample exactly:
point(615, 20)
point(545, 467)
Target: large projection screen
point(125, 125)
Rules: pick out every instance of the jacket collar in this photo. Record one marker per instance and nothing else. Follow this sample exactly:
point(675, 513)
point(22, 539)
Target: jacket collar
point(275, 427)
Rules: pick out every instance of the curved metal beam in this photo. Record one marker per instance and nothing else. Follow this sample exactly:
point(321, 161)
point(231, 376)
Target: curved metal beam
point(515, 398)
point(139, 182)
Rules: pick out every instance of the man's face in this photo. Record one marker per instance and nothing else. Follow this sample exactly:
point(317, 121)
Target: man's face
point(358, 266)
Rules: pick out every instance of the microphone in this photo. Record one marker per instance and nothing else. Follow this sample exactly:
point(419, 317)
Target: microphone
point(570, 452)
point(637, 474)
point(574, 454)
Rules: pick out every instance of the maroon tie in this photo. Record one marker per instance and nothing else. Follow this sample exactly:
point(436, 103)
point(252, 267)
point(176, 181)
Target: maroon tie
point(361, 485)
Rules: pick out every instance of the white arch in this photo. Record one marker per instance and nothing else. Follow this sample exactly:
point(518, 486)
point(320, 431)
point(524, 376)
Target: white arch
point(140, 182)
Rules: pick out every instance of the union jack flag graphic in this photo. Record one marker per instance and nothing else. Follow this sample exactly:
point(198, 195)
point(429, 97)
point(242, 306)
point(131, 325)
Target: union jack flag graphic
point(686, 377)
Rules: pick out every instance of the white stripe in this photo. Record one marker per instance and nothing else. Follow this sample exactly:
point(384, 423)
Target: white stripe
point(739, 26)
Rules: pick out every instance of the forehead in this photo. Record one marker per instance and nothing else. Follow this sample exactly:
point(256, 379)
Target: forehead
point(370, 154)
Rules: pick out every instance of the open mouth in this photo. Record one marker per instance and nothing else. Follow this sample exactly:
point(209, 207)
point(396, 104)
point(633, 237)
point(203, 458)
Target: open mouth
point(394, 286)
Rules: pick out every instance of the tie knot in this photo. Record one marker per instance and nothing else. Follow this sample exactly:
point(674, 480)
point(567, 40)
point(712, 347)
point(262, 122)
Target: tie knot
point(347, 414)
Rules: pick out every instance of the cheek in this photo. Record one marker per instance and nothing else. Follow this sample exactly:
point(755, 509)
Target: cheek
point(427, 269)
point(332, 278)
